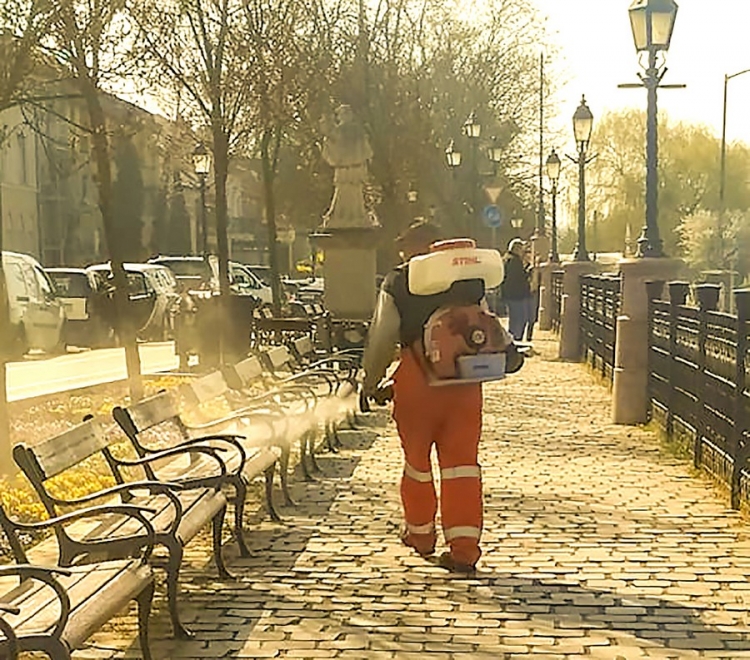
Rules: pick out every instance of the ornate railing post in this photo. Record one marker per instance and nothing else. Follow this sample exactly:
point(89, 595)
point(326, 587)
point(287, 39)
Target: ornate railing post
point(739, 441)
point(654, 292)
point(708, 301)
point(678, 293)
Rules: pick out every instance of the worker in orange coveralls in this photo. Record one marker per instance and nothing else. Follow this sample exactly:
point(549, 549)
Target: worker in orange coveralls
point(449, 417)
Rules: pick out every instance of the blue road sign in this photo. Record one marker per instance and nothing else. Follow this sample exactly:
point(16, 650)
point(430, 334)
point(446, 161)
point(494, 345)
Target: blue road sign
point(492, 216)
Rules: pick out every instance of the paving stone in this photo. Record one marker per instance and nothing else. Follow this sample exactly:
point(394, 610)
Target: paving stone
point(598, 544)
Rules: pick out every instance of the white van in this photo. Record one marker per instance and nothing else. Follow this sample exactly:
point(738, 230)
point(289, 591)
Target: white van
point(37, 316)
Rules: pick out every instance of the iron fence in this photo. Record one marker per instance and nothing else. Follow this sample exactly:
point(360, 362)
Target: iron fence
point(600, 307)
point(557, 294)
point(698, 384)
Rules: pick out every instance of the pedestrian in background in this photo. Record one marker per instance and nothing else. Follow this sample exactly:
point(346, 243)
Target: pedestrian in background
point(535, 277)
point(517, 289)
point(449, 417)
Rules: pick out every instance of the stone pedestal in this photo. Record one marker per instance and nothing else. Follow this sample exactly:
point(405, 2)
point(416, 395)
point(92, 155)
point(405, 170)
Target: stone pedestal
point(540, 245)
point(349, 270)
point(630, 385)
point(545, 295)
point(570, 322)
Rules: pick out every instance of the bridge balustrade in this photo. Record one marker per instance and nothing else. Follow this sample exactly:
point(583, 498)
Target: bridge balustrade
point(698, 385)
point(600, 307)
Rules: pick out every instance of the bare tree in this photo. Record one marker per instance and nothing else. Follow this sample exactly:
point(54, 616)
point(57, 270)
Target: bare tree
point(89, 40)
point(23, 23)
point(290, 50)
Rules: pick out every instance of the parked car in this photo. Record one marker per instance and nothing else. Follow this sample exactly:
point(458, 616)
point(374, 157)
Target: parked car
point(87, 323)
point(37, 316)
point(195, 274)
point(243, 281)
point(152, 293)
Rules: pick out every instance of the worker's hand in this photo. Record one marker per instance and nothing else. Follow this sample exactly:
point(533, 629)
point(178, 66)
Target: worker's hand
point(384, 394)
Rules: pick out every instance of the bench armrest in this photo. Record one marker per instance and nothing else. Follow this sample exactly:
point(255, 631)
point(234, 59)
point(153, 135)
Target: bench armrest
point(232, 439)
point(46, 575)
point(307, 376)
point(12, 527)
point(213, 452)
point(154, 487)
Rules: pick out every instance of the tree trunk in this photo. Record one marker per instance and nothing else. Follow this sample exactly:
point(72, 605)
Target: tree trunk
point(123, 322)
point(221, 171)
point(270, 204)
point(7, 467)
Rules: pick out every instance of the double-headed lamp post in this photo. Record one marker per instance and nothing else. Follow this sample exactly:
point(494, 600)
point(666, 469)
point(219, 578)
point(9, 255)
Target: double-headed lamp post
point(202, 165)
point(652, 22)
point(553, 166)
point(583, 123)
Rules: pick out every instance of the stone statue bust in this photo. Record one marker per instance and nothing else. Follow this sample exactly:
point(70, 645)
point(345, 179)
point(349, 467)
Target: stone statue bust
point(347, 149)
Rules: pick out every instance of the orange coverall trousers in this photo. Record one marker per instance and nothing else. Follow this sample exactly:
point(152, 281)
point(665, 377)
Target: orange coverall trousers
point(449, 417)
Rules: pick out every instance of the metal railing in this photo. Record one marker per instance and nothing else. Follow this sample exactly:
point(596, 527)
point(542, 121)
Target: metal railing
point(557, 294)
point(600, 307)
point(698, 383)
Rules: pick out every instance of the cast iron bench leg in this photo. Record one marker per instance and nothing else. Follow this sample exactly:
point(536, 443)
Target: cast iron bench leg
point(145, 599)
point(218, 525)
point(269, 494)
point(284, 466)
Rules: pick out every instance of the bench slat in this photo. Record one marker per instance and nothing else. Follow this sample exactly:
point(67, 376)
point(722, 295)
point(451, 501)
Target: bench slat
point(57, 454)
point(119, 580)
point(153, 411)
point(203, 389)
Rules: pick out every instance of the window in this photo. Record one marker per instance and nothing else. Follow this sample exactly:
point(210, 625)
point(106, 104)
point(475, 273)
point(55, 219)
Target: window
point(45, 285)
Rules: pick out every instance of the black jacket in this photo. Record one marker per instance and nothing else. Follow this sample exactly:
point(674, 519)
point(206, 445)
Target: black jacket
point(516, 284)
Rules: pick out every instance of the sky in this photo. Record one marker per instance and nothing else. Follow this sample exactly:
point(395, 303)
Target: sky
point(711, 38)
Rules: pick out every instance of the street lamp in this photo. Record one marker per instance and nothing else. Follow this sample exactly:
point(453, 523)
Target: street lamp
point(553, 165)
point(202, 166)
point(472, 127)
point(452, 156)
point(495, 152)
point(723, 166)
point(583, 123)
point(652, 22)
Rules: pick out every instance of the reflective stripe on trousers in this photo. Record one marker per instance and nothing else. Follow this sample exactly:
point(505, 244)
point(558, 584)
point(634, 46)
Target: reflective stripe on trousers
point(413, 473)
point(450, 418)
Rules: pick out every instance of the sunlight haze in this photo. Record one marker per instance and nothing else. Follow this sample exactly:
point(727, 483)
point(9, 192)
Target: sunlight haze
point(710, 40)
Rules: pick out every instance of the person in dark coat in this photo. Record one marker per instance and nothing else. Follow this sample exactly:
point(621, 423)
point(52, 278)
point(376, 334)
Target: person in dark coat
point(517, 289)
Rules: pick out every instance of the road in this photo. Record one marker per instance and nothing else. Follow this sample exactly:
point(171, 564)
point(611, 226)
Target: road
point(32, 378)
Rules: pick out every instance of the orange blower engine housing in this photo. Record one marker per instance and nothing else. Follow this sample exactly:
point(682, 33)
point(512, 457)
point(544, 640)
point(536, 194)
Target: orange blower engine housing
point(458, 332)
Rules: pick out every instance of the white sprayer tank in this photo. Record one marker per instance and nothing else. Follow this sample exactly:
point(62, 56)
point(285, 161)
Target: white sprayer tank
point(453, 261)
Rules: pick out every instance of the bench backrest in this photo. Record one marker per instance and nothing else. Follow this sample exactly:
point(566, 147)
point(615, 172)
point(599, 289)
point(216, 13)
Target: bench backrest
point(278, 357)
point(243, 374)
point(55, 455)
point(204, 389)
point(146, 414)
point(304, 347)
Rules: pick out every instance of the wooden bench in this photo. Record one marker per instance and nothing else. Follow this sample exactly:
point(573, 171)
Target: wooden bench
point(179, 511)
point(328, 388)
point(55, 609)
point(263, 417)
point(152, 421)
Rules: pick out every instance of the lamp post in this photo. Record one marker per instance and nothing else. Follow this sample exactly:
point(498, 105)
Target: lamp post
point(495, 153)
point(723, 166)
point(553, 166)
point(472, 129)
point(652, 22)
point(583, 123)
point(202, 165)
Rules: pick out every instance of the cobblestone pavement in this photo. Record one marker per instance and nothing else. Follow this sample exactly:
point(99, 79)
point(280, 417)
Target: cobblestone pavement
point(598, 544)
